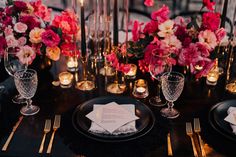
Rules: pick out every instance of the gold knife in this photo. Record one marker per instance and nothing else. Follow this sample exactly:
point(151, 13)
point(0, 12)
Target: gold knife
point(47, 129)
point(4, 148)
point(169, 147)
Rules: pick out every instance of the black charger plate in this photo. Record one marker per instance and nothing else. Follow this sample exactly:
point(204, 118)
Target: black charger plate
point(143, 125)
point(217, 115)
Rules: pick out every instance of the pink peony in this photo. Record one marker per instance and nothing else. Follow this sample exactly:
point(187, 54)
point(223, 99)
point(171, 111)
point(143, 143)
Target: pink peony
point(203, 48)
point(50, 38)
point(209, 4)
point(161, 14)
point(211, 21)
point(173, 44)
point(220, 34)
point(209, 38)
point(149, 3)
point(20, 27)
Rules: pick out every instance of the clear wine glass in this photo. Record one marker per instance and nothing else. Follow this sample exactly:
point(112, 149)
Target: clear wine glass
point(1, 86)
point(172, 86)
point(158, 65)
point(26, 83)
point(12, 64)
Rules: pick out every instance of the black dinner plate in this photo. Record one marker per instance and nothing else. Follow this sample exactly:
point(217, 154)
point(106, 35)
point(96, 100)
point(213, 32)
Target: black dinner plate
point(217, 115)
point(143, 125)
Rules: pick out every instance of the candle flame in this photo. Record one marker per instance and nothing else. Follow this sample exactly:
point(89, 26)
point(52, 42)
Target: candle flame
point(82, 2)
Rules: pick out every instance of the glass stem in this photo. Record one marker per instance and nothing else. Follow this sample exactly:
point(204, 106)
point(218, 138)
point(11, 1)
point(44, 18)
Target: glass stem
point(157, 97)
point(170, 105)
point(29, 103)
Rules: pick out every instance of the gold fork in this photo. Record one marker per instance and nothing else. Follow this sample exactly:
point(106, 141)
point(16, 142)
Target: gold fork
point(189, 132)
point(47, 128)
point(197, 130)
point(56, 125)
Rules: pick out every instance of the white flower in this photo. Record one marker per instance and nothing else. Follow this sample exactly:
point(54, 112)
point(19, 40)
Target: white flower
point(166, 28)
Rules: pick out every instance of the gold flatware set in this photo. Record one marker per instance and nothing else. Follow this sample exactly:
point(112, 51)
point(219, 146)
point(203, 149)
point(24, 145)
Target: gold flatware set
point(197, 131)
point(47, 129)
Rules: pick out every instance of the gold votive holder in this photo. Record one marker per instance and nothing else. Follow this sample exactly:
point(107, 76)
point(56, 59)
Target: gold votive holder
point(65, 79)
point(212, 77)
point(72, 64)
point(140, 89)
point(132, 72)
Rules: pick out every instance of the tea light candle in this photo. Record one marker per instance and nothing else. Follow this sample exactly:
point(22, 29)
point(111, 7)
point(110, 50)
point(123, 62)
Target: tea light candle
point(72, 64)
point(132, 72)
point(65, 79)
point(212, 77)
point(140, 89)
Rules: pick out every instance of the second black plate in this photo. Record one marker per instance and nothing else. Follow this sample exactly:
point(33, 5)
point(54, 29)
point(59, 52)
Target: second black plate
point(217, 115)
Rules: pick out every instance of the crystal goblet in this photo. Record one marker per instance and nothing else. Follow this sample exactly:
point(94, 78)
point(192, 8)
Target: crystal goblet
point(172, 86)
point(26, 83)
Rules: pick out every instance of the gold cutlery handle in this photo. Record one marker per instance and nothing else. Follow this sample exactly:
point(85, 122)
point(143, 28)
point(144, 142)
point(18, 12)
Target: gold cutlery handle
point(169, 147)
point(51, 142)
point(42, 143)
point(194, 147)
point(4, 148)
point(201, 145)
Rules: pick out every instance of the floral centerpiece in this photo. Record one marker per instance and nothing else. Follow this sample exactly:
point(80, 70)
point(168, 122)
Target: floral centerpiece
point(188, 43)
point(26, 30)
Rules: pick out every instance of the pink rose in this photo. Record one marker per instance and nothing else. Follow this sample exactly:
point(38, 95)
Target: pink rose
point(161, 15)
point(26, 55)
point(20, 27)
point(220, 34)
point(11, 41)
point(149, 3)
point(22, 41)
point(50, 38)
point(30, 21)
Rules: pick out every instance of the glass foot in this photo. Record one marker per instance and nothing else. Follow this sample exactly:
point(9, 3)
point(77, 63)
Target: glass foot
point(29, 110)
point(18, 99)
point(157, 102)
point(171, 114)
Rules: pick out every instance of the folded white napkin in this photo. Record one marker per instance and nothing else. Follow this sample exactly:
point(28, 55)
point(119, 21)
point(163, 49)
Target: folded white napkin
point(113, 119)
point(231, 118)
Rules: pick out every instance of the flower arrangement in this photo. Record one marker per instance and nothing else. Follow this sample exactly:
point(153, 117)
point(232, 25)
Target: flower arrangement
point(187, 42)
point(26, 31)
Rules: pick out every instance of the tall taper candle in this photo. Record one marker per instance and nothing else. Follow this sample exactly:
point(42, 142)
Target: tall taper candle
point(115, 24)
point(83, 38)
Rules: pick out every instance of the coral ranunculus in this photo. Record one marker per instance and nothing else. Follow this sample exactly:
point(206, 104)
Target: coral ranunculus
point(53, 53)
point(35, 35)
point(50, 38)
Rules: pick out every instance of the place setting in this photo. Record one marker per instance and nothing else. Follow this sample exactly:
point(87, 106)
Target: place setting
point(113, 119)
point(222, 118)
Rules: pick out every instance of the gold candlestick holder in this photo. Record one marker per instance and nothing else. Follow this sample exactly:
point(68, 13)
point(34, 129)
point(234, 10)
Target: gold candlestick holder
point(86, 81)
